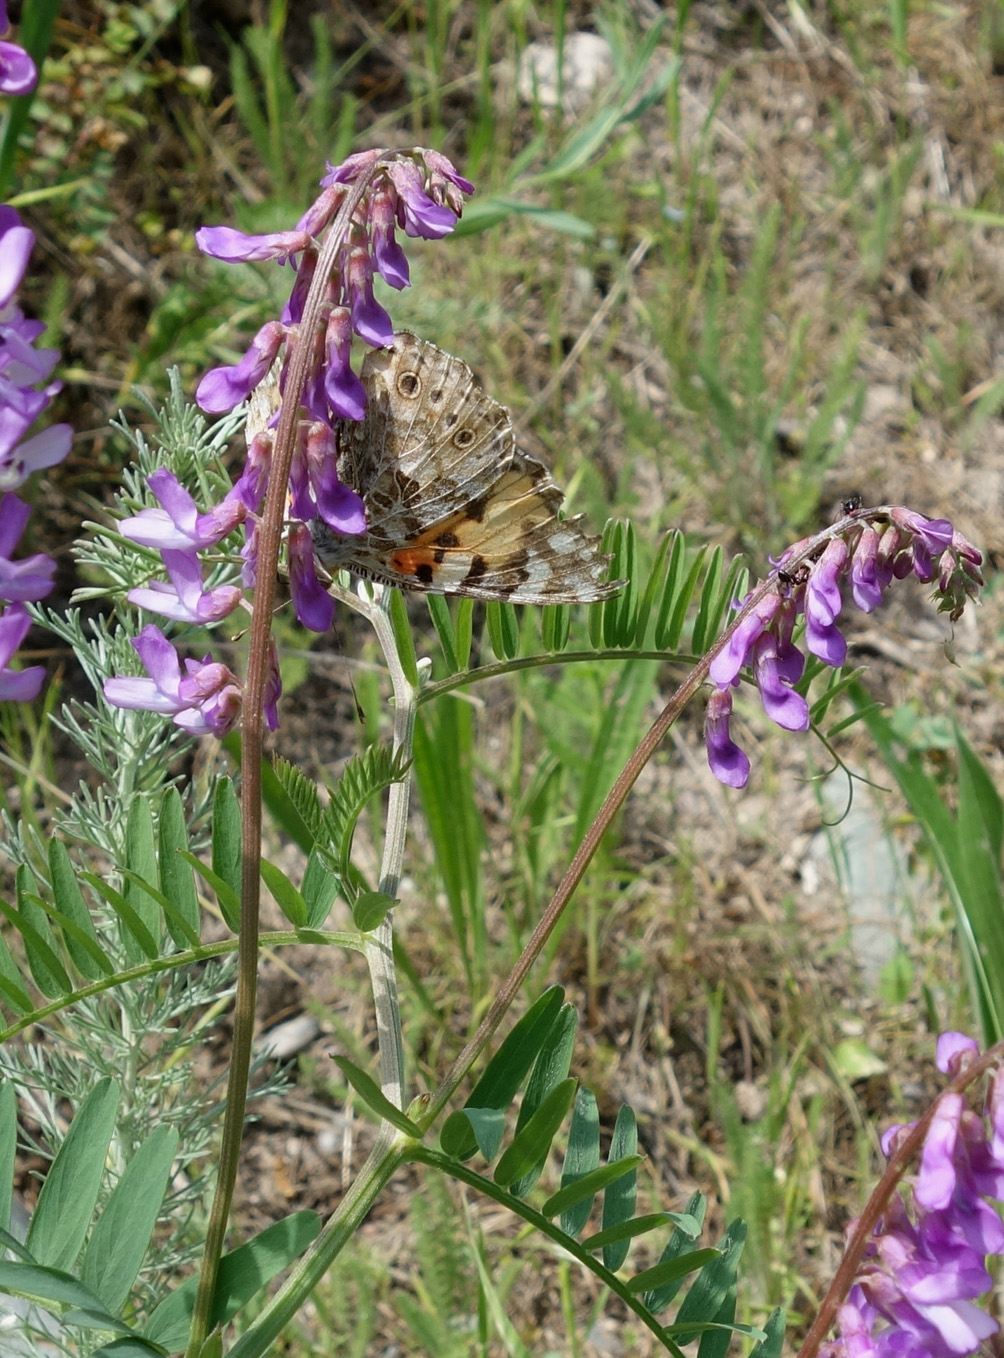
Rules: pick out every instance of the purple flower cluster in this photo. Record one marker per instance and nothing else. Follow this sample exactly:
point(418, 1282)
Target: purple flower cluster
point(418, 191)
point(17, 70)
point(869, 549)
point(25, 391)
point(926, 1263)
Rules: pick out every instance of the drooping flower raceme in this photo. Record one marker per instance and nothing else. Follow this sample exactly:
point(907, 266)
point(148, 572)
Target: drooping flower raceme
point(925, 1264)
point(869, 549)
point(25, 391)
point(418, 192)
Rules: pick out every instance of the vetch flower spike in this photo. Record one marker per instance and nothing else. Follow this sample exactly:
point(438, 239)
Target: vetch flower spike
point(871, 548)
point(925, 1263)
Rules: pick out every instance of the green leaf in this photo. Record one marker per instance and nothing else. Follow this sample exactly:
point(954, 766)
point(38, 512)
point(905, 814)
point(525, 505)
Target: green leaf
point(677, 603)
point(141, 859)
point(229, 900)
point(292, 800)
point(491, 212)
point(582, 1156)
point(370, 909)
point(8, 1149)
point(679, 1244)
point(709, 600)
point(772, 1344)
point(444, 775)
point(123, 1232)
point(485, 1125)
point(128, 1347)
point(288, 899)
point(716, 1280)
point(70, 1191)
point(69, 901)
point(375, 1099)
point(531, 1144)
point(439, 612)
point(625, 1231)
point(16, 997)
point(550, 1068)
point(134, 925)
point(243, 1273)
point(576, 1191)
point(40, 946)
point(669, 1271)
point(503, 629)
point(647, 601)
point(177, 923)
point(504, 1073)
point(176, 880)
point(619, 1199)
point(58, 1292)
point(555, 625)
point(401, 627)
point(227, 840)
point(320, 889)
point(465, 632)
point(363, 777)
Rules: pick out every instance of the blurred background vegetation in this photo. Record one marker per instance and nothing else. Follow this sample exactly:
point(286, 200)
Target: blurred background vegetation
point(728, 262)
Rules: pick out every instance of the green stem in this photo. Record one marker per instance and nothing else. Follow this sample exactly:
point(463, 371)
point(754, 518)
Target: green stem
point(260, 645)
point(387, 1153)
point(379, 945)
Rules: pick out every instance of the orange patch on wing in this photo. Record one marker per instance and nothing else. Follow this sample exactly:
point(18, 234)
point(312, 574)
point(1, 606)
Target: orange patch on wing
point(416, 561)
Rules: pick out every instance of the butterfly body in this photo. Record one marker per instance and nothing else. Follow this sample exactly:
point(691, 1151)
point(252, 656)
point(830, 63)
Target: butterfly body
point(453, 506)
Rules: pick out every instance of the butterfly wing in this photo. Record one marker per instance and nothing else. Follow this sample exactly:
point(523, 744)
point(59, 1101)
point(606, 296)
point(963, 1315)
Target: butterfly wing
point(506, 544)
point(452, 505)
point(430, 433)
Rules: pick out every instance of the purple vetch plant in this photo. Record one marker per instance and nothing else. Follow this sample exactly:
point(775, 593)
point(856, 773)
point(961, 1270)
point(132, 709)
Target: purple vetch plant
point(866, 551)
point(922, 1263)
point(25, 392)
point(340, 244)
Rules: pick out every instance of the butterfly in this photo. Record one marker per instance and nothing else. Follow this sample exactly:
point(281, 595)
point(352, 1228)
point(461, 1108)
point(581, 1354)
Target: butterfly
point(453, 506)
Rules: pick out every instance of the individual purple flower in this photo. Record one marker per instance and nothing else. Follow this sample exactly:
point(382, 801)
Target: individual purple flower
point(31, 578)
point(369, 319)
point(314, 606)
point(342, 386)
point(418, 214)
point(17, 686)
point(728, 763)
point(184, 600)
point(236, 247)
point(204, 701)
point(223, 388)
point(734, 655)
point(179, 525)
point(19, 459)
point(337, 505)
point(781, 703)
point(391, 261)
point(251, 485)
point(16, 244)
point(823, 602)
point(866, 587)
